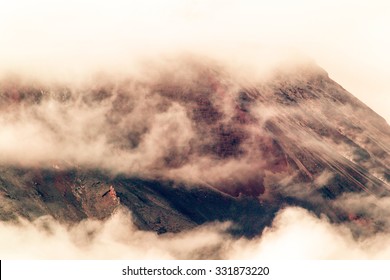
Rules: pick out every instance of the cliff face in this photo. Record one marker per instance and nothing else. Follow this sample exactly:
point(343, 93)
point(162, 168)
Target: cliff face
point(183, 149)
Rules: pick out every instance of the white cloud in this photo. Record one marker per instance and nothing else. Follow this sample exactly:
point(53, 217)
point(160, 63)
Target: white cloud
point(69, 38)
point(294, 234)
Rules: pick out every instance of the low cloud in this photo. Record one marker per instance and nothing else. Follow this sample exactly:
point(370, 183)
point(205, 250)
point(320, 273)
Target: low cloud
point(295, 234)
point(298, 234)
point(188, 125)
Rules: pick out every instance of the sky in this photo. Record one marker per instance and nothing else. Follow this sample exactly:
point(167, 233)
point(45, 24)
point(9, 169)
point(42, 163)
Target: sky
point(349, 39)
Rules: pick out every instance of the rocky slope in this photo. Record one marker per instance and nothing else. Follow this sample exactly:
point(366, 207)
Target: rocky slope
point(181, 149)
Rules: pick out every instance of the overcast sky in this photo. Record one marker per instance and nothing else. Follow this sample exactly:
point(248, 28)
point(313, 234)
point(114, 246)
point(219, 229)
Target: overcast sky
point(349, 39)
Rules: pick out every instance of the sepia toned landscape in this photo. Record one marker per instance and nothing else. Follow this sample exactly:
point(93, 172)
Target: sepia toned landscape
point(150, 130)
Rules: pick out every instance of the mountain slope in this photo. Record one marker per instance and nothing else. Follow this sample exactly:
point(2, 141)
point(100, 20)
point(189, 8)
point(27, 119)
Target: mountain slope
point(183, 148)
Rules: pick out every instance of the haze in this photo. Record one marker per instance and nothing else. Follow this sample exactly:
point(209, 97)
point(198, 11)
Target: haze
point(64, 39)
point(72, 41)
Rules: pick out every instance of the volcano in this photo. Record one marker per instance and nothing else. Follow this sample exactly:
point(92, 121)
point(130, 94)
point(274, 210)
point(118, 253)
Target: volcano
point(191, 145)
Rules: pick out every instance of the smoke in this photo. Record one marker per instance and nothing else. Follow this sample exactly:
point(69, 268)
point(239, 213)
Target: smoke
point(294, 234)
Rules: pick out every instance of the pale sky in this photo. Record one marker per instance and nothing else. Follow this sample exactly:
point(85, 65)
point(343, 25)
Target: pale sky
point(349, 39)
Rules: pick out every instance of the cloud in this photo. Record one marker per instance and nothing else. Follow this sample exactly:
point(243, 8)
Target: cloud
point(294, 234)
point(187, 118)
point(115, 238)
point(165, 90)
point(177, 120)
point(67, 40)
point(298, 234)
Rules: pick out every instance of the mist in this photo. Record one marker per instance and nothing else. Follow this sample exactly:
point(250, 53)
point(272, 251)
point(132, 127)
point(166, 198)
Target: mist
point(73, 38)
point(156, 89)
point(294, 234)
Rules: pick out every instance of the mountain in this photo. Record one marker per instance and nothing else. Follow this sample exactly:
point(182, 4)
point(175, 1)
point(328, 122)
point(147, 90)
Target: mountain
point(192, 144)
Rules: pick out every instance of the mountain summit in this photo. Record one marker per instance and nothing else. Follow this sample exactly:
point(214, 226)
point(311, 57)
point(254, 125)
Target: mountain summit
point(192, 144)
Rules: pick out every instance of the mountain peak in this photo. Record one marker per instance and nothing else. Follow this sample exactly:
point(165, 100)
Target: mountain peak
point(181, 147)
